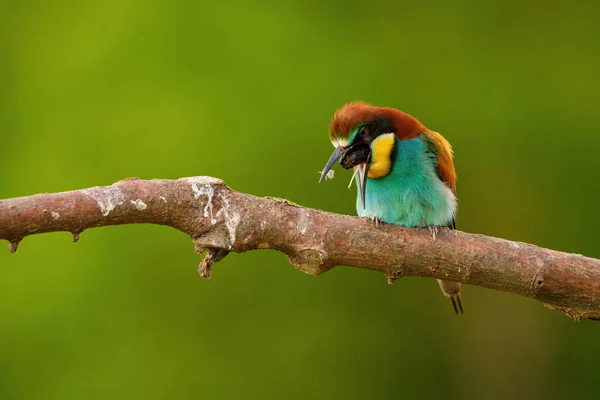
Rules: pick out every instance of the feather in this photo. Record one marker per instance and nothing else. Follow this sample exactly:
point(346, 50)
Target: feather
point(442, 150)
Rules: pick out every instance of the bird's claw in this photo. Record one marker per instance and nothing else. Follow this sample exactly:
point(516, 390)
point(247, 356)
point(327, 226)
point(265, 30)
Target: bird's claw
point(434, 232)
point(376, 220)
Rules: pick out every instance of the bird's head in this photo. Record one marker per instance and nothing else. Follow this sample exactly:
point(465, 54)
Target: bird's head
point(364, 137)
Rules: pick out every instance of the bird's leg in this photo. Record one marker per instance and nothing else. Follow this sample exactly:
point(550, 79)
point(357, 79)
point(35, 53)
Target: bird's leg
point(376, 220)
point(434, 231)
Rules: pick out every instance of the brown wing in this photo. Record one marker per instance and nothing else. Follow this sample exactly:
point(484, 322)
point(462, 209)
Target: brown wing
point(438, 145)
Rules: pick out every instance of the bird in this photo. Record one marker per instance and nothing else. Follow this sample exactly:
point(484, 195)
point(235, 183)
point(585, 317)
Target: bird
point(404, 171)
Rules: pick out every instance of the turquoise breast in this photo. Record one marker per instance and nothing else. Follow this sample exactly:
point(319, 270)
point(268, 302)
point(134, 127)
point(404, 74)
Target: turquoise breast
point(411, 194)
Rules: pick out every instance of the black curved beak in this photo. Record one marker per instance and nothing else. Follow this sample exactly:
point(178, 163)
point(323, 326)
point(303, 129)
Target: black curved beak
point(337, 154)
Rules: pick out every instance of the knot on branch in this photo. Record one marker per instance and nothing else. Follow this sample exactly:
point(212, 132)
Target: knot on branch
point(539, 277)
point(394, 274)
point(310, 260)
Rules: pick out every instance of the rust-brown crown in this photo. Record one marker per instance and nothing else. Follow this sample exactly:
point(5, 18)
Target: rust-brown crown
point(352, 115)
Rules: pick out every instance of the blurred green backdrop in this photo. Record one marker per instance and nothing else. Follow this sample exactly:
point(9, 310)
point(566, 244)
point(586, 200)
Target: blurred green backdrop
point(93, 92)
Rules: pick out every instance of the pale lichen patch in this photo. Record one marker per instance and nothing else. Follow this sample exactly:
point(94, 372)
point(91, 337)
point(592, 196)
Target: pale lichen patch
point(139, 204)
point(107, 197)
point(209, 192)
point(55, 215)
point(202, 180)
point(303, 223)
point(232, 219)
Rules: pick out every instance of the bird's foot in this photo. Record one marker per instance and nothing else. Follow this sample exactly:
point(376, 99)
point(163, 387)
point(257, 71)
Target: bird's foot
point(434, 231)
point(376, 221)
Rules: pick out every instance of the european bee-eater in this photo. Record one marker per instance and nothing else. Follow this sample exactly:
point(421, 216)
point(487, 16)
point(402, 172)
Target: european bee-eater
point(405, 171)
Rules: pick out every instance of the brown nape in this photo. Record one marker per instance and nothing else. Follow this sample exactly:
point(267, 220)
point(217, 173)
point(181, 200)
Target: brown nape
point(351, 115)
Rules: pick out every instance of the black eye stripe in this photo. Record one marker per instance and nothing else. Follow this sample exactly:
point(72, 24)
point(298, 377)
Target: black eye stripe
point(381, 126)
point(369, 132)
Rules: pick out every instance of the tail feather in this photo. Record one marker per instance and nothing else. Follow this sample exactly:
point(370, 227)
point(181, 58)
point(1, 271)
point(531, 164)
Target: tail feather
point(452, 291)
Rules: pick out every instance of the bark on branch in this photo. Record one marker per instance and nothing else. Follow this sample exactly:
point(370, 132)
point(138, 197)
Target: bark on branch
point(221, 220)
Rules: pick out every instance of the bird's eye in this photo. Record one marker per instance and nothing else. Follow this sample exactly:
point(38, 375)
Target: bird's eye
point(364, 131)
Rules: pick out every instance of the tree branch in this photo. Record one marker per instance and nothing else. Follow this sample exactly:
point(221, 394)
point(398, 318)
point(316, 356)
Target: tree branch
point(222, 220)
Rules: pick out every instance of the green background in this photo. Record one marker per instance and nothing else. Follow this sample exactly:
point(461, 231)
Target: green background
point(93, 92)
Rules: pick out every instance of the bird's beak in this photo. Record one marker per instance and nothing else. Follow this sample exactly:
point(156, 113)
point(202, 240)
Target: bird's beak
point(337, 153)
point(363, 171)
point(358, 157)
